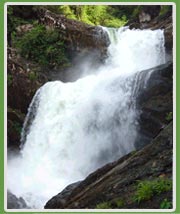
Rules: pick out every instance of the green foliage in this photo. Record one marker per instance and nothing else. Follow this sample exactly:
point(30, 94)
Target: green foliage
point(169, 116)
point(91, 14)
point(165, 9)
point(165, 204)
point(115, 203)
point(32, 76)
point(45, 47)
point(146, 189)
point(103, 205)
point(9, 79)
point(66, 10)
point(133, 152)
point(13, 22)
point(119, 202)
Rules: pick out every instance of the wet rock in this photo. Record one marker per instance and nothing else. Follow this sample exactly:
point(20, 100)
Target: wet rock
point(154, 101)
point(60, 199)
point(14, 202)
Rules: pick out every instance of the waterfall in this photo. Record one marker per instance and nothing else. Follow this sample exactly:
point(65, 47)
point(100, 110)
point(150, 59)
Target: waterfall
point(78, 127)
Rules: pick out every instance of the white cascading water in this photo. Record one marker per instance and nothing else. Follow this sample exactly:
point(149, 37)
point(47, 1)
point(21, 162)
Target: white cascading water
point(80, 126)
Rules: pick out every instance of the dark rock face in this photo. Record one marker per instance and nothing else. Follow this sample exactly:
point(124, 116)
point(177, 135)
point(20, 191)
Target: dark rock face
point(154, 101)
point(62, 196)
point(14, 124)
point(15, 203)
point(117, 180)
point(149, 12)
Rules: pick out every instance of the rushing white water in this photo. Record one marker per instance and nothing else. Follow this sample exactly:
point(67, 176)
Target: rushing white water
point(83, 125)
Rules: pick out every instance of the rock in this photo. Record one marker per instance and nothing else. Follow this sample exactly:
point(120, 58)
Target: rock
point(154, 101)
point(118, 179)
point(149, 12)
point(60, 199)
point(15, 203)
point(14, 124)
point(22, 85)
point(22, 29)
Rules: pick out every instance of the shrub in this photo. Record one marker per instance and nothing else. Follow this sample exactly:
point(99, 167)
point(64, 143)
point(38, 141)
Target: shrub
point(146, 189)
point(45, 47)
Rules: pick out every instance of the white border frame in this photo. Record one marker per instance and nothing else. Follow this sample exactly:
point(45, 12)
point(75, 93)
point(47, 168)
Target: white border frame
point(174, 108)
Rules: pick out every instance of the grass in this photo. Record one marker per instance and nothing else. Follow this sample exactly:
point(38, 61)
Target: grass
point(147, 189)
point(165, 204)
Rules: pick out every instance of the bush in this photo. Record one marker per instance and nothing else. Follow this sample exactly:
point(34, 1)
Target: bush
point(146, 189)
point(43, 46)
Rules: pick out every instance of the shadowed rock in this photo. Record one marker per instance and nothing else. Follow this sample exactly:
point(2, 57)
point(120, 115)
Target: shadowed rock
point(15, 203)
